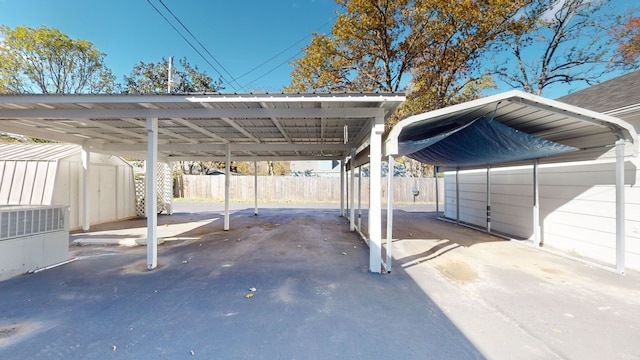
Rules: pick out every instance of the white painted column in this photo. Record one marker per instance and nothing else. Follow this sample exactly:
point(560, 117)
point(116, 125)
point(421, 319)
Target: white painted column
point(151, 193)
point(84, 195)
point(255, 188)
point(342, 173)
point(390, 211)
point(375, 214)
point(620, 207)
point(489, 198)
point(352, 208)
point(536, 205)
point(457, 196)
point(360, 199)
point(227, 176)
point(435, 176)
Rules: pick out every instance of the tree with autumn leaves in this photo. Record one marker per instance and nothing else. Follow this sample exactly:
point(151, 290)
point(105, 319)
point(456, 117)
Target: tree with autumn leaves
point(444, 52)
point(429, 47)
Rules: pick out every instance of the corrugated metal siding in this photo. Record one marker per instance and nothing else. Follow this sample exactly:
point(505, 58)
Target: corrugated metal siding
point(26, 182)
point(37, 151)
point(577, 206)
point(54, 177)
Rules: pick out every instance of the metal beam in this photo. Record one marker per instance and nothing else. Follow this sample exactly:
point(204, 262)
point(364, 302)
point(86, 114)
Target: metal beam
point(620, 207)
point(375, 213)
point(241, 129)
point(536, 205)
point(227, 179)
point(199, 129)
point(251, 157)
point(151, 193)
point(199, 113)
point(352, 224)
point(85, 155)
point(240, 147)
point(162, 130)
point(390, 211)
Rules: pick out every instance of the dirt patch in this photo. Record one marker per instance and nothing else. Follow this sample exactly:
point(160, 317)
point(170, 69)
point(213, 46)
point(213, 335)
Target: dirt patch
point(457, 270)
point(13, 332)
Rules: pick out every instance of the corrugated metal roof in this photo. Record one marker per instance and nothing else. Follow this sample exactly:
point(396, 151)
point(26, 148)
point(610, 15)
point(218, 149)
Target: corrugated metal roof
point(591, 132)
point(48, 152)
point(199, 127)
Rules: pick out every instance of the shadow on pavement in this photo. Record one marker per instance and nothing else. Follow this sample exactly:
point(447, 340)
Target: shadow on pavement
point(291, 283)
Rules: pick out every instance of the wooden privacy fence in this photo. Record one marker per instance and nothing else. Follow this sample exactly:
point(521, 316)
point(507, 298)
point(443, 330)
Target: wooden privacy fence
point(301, 189)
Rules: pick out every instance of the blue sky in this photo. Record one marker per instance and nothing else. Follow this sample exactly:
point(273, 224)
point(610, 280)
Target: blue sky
point(239, 34)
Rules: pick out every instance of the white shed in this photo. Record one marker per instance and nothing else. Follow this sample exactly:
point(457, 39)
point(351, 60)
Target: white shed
point(51, 174)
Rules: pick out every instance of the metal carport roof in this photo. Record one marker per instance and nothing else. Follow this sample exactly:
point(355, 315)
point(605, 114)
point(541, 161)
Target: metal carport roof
point(590, 133)
point(227, 127)
point(199, 127)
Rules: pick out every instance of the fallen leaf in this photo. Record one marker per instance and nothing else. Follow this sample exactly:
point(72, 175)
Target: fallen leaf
point(249, 296)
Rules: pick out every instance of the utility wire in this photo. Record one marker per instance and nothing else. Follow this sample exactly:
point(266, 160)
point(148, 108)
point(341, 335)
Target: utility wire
point(199, 43)
point(282, 52)
point(278, 54)
point(192, 46)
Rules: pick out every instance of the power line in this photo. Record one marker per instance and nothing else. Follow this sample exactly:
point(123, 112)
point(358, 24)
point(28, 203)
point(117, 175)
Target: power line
point(278, 54)
point(192, 46)
point(199, 43)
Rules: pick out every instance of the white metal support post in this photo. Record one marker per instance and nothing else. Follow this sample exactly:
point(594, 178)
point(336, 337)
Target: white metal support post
point(375, 214)
point(151, 193)
point(342, 172)
point(536, 205)
point(227, 175)
point(435, 176)
point(84, 195)
point(390, 211)
point(352, 209)
point(360, 199)
point(489, 198)
point(620, 207)
point(255, 188)
point(457, 196)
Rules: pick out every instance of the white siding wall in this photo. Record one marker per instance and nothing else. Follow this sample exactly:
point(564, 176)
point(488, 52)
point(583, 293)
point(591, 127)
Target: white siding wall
point(43, 182)
point(577, 206)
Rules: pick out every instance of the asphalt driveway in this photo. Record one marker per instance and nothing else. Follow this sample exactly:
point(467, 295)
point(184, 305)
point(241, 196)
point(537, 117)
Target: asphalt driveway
point(292, 283)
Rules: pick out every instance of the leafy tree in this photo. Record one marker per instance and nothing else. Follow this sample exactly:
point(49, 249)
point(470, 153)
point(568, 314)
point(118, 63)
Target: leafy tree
point(559, 42)
point(152, 78)
point(628, 37)
point(44, 60)
point(379, 45)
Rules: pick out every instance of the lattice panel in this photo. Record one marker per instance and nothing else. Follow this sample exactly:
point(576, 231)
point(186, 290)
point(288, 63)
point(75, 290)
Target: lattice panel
point(165, 190)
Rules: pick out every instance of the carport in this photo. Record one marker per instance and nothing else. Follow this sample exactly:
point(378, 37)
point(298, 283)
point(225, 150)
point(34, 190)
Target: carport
point(509, 129)
point(219, 127)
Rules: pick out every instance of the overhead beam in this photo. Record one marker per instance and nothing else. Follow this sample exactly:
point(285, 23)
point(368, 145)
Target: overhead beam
point(240, 129)
point(238, 147)
point(162, 130)
point(255, 158)
point(210, 98)
point(203, 113)
point(200, 129)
